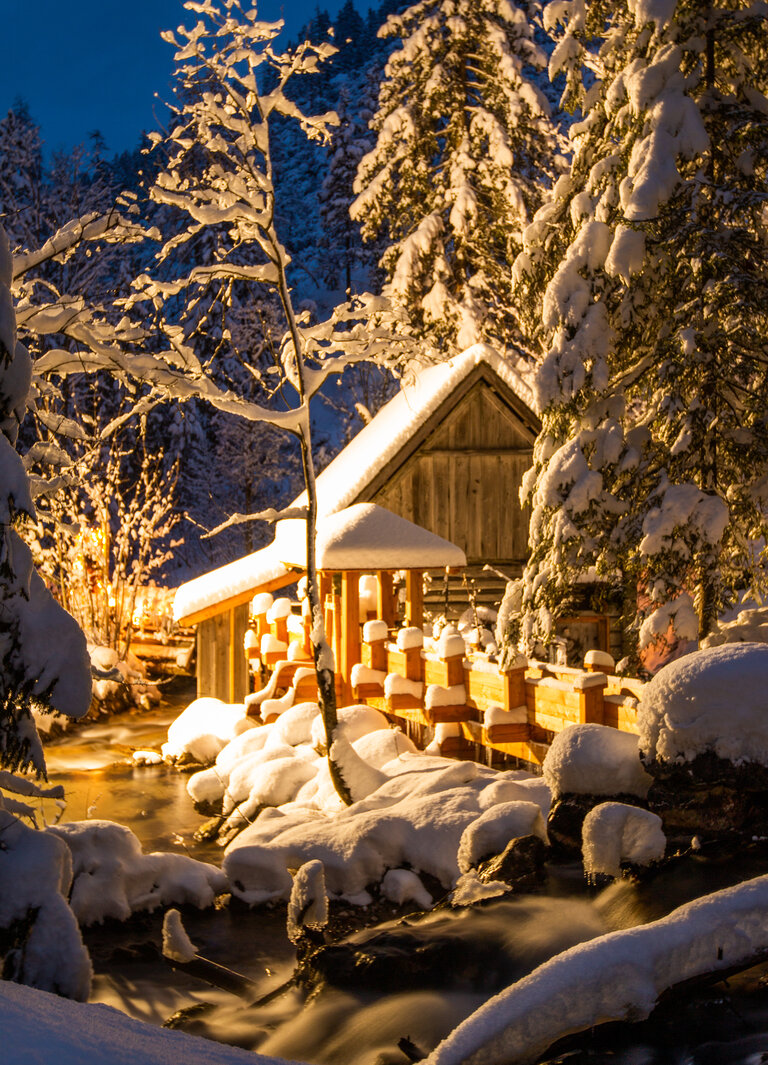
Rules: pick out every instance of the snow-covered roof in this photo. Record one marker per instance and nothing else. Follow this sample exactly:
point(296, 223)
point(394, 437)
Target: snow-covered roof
point(236, 579)
point(366, 536)
point(341, 483)
point(362, 537)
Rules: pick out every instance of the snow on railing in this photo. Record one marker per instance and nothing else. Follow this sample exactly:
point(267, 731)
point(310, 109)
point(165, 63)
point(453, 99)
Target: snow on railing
point(516, 710)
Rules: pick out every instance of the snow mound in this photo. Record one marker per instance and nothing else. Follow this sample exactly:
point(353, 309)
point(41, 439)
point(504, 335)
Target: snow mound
point(710, 701)
point(354, 722)
point(595, 760)
point(615, 832)
point(113, 878)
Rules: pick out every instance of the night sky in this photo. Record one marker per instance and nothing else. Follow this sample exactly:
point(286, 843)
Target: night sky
point(83, 65)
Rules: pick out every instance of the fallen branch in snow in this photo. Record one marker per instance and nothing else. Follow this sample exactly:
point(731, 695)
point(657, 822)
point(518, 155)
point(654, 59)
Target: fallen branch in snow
point(621, 976)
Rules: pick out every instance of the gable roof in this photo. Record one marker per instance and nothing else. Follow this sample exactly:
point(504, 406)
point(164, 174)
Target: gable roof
point(400, 421)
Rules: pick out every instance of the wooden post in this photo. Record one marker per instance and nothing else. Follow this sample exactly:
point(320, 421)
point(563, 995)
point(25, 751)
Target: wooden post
point(454, 670)
point(350, 628)
point(592, 705)
point(387, 607)
point(232, 656)
point(514, 688)
point(375, 655)
point(414, 598)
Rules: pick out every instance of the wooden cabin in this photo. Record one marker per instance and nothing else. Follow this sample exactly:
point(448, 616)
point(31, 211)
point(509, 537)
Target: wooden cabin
point(448, 453)
point(362, 539)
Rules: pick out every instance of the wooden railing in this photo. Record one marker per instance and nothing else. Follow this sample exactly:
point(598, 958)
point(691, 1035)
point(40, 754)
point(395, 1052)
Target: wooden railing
point(516, 711)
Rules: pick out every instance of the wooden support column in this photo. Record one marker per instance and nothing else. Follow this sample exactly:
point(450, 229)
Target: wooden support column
point(350, 629)
point(386, 605)
point(414, 598)
point(232, 656)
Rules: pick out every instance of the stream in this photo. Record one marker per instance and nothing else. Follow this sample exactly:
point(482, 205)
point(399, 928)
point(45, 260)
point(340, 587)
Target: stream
point(477, 951)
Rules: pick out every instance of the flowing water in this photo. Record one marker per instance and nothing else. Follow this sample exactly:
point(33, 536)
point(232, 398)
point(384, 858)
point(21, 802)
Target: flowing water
point(463, 957)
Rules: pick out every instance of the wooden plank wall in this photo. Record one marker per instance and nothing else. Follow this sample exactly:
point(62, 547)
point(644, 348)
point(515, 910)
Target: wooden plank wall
point(463, 483)
point(220, 650)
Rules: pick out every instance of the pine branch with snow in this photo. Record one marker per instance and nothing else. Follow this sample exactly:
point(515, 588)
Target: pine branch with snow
point(651, 461)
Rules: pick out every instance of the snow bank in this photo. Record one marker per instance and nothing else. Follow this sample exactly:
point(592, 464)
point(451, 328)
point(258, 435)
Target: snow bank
point(414, 819)
point(615, 832)
point(204, 729)
point(595, 760)
point(113, 878)
point(711, 700)
point(618, 976)
point(38, 1027)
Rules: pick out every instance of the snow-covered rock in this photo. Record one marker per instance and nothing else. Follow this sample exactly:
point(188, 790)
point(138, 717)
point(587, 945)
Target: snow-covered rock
point(615, 832)
point(595, 760)
point(710, 701)
point(203, 730)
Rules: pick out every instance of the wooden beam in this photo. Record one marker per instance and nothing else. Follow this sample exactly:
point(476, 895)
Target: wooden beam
point(237, 600)
point(232, 655)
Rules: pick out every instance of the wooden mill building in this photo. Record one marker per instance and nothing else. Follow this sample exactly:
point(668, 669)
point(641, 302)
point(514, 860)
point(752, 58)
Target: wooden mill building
point(447, 453)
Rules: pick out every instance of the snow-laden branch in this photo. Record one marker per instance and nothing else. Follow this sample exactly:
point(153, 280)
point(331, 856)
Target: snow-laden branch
point(270, 515)
point(112, 227)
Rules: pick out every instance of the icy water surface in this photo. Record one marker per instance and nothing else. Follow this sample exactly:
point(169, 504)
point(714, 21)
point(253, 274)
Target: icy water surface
point(477, 952)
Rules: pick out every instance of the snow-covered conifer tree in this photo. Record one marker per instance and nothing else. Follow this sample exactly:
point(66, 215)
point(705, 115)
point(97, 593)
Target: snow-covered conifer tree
point(43, 658)
point(341, 235)
point(643, 275)
point(464, 146)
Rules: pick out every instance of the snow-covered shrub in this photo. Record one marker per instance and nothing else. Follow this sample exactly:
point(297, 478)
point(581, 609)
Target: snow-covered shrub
point(35, 879)
point(595, 760)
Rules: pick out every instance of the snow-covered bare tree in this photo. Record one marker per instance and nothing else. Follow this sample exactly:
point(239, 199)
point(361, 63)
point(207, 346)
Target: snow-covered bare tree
point(644, 276)
point(223, 113)
point(465, 147)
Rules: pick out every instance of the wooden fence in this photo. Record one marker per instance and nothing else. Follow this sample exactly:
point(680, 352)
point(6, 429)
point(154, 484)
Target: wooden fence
point(516, 711)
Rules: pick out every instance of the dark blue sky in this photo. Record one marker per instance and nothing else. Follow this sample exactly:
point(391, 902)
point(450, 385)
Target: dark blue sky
point(96, 64)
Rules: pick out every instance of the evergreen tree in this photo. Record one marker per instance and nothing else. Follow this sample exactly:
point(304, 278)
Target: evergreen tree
point(341, 236)
point(43, 657)
point(645, 276)
point(464, 145)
